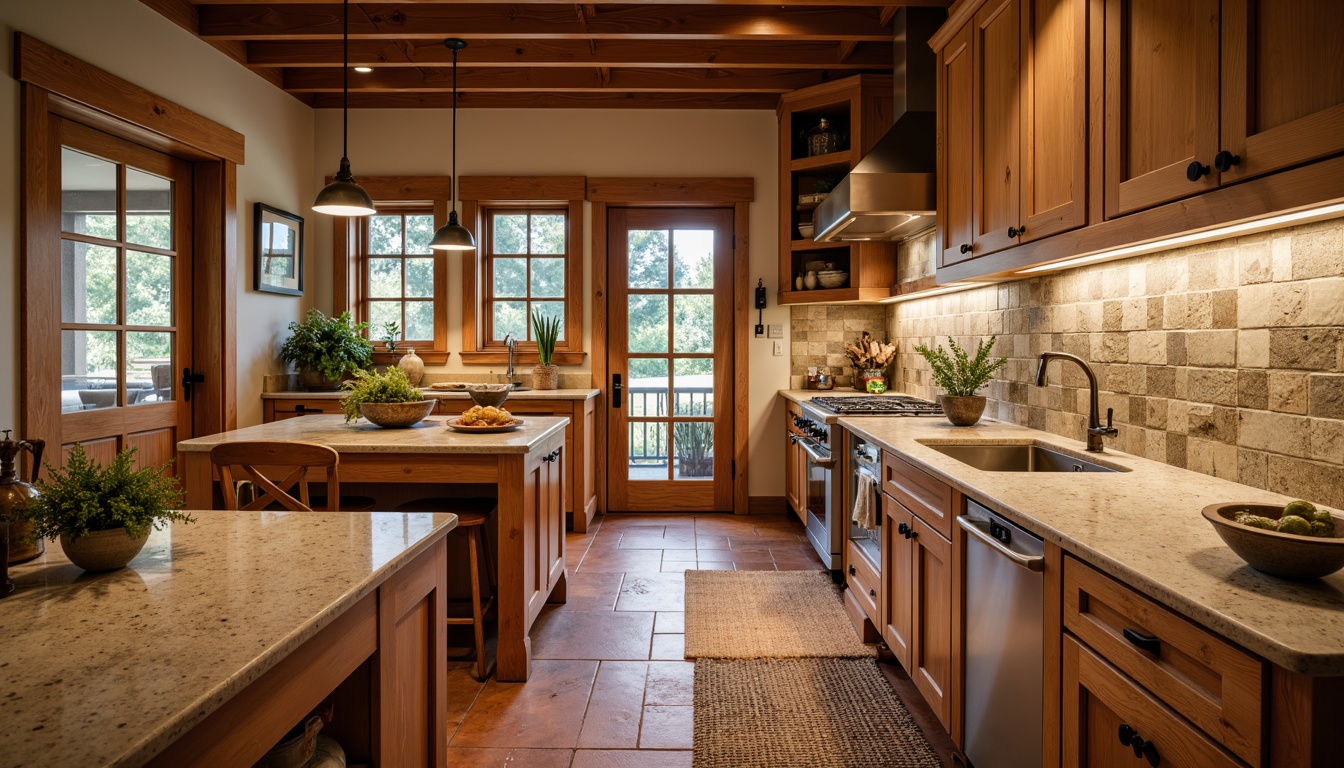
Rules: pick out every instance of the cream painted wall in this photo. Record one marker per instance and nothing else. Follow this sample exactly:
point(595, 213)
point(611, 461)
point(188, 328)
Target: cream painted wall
point(588, 143)
point(128, 39)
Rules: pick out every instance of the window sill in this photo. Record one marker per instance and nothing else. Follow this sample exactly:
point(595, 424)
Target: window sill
point(520, 358)
point(430, 358)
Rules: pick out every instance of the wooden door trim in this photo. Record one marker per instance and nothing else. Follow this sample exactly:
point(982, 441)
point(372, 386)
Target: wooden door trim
point(737, 193)
point(54, 83)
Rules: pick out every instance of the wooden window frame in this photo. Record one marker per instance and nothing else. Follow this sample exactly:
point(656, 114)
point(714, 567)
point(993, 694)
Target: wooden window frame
point(349, 287)
point(481, 194)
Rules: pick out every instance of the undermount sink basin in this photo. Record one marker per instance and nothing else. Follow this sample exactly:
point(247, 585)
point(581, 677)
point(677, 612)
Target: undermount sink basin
point(1022, 457)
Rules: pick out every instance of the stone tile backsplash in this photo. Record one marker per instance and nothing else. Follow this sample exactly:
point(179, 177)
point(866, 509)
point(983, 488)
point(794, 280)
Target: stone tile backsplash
point(1225, 358)
point(819, 333)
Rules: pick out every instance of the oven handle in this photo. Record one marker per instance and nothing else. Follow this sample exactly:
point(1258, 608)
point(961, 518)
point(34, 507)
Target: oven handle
point(1030, 563)
point(825, 462)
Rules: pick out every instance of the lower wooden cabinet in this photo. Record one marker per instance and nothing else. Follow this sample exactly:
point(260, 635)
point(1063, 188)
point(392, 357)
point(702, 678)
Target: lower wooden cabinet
point(863, 600)
point(275, 409)
point(1108, 720)
point(795, 468)
point(896, 555)
point(543, 533)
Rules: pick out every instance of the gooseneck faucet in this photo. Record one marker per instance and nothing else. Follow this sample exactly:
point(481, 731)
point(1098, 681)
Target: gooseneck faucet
point(1094, 429)
point(510, 342)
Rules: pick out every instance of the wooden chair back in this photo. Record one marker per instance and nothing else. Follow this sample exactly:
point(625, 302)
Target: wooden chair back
point(245, 461)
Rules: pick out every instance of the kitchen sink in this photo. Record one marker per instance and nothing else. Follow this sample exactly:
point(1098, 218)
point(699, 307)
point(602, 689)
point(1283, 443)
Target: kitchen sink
point(1020, 457)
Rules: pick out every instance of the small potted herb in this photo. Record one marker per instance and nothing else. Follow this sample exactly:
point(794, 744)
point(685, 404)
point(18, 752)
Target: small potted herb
point(546, 330)
point(386, 399)
point(326, 350)
point(960, 376)
point(103, 515)
point(390, 333)
point(694, 444)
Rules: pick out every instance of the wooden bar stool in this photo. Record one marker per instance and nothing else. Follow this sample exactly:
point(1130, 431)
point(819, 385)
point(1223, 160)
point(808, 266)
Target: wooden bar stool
point(246, 461)
point(472, 515)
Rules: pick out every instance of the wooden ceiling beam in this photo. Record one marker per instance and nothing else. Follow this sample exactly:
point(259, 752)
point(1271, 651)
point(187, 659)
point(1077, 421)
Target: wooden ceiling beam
point(542, 100)
point(572, 53)
point(775, 3)
point(471, 80)
point(484, 20)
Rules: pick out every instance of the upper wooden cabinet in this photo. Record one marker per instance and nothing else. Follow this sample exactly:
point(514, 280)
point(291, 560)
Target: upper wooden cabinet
point(1013, 126)
point(859, 110)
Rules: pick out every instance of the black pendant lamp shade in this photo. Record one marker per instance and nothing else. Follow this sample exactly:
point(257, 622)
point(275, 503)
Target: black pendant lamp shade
point(453, 236)
point(343, 197)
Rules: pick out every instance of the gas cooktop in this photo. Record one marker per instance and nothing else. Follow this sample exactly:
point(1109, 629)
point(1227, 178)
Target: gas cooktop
point(886, 405)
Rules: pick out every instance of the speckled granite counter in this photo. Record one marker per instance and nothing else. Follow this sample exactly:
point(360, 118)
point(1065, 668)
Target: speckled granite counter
point(429, 436)
point(1144, 527)
point(109, 669)
point(450, 394)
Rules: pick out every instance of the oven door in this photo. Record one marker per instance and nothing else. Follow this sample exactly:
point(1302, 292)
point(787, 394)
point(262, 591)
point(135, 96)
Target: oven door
point(820, 503)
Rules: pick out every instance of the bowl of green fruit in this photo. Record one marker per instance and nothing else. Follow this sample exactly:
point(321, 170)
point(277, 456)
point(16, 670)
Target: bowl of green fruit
point(1296, 541)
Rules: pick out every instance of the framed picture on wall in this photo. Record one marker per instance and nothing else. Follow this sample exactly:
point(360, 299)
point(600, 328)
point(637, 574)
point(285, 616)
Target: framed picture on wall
point(278, 250)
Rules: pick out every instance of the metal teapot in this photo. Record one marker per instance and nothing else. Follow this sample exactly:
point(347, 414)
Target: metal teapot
point(15, 493)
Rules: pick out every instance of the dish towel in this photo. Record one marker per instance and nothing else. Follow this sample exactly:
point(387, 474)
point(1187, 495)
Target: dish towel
point(865, 509)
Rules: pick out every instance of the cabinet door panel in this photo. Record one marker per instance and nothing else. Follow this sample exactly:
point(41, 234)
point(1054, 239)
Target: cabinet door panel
point(931, 618)
point(896, 579)
point(1161, 100)
point(997, 122)
point(1054, 132)
point(1283, 83)
point(957, 137)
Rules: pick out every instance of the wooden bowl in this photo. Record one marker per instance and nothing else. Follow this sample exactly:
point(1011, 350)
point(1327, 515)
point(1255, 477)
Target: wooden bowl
point(1278, 554)
point(489, 394)
point(397, 414)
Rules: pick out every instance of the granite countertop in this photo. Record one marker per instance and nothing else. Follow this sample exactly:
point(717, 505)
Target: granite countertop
point(450, 394)
point(429, 436)
point(109, 669)
point(1145, 528)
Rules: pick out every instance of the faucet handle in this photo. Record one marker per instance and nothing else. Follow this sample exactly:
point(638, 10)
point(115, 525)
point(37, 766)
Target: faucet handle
point(1108, 430)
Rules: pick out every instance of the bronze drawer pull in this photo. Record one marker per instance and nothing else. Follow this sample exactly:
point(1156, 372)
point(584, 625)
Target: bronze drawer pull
point(1143, 642)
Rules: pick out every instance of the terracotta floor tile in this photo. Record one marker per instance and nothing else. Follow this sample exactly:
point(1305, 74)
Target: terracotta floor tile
point(583, 603)
point(754, 564)
point(612, 720)
point(670, 683)
point(714, 555)
point(546, 711)
point(462, 692)
point(594, 584)
point(621, 758)
point(666, 728)
point(622, 560)
point(669, 623)
point(514, 758)
point(640, 540)
point(747, 543)
point(652, 592)
point(715, 567)
point(671, 647)
point(710, 541)
point(796, 565)
point(614, 635)
point(679, 555)
point(681, 567)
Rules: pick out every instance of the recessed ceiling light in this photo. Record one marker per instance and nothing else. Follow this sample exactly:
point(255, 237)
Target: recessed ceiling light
point(363, 69)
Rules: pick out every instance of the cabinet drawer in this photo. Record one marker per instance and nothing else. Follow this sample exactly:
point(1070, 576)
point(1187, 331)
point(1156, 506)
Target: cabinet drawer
point(863, 582)
point(285, 409)
point(1100, 704)
point(929, 499)
point(1213, 683)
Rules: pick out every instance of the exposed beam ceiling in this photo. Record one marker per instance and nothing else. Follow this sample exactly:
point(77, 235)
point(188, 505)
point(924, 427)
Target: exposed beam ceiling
point(687, 54)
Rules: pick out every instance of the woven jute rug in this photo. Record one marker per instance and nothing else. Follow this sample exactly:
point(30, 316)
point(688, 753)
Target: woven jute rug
point(767, 614)
point(802, 713)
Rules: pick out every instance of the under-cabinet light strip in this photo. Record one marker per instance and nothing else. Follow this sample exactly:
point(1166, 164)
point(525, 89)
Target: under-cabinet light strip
point(949, 288)
point(1246, 227)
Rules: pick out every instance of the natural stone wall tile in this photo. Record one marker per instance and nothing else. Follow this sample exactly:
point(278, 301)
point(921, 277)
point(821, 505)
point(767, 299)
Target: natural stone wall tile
point(1327, 440)
point(1253, 389)
point(1211, 385)
point(1252, 467)
point(1316, 252)
point(1212, 423)
point(1324, 302)
point(1288, 392)
point(1320, 482)
point(1255, 263)
point(1253, 349)
point(1211, 348)
point(1313, 349)
point(1274, 432)
point(1326, 396)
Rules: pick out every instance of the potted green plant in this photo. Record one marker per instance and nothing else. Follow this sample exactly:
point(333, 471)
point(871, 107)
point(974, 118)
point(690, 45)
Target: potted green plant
point(103, 515)
point(389, 335)
point(961, 376)
point(546, 330)
point(326, 350)
point(386, 399)
point(694, 442)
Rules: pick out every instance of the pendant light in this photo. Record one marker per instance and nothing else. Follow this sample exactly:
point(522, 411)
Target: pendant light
point(343, 197)
point(453, 236)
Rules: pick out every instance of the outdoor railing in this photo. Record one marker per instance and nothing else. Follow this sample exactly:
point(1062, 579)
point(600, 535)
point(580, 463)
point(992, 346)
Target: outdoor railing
point(648, 440)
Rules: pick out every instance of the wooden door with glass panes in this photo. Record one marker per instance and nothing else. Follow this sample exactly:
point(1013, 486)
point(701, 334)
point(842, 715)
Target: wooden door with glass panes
point(124, 276)
point(669, 432)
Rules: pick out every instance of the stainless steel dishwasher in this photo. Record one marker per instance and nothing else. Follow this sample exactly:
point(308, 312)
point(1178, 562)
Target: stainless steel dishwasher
point(1004, 641)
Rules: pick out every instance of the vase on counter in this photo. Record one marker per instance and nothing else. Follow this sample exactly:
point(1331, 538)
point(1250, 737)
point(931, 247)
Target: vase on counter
point(871, 380)
point(412, 366)
point(545, 377)
point(962, 411)
point(14, 493)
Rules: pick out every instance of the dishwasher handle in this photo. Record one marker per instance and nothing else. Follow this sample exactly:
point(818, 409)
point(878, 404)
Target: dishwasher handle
point(969, 524)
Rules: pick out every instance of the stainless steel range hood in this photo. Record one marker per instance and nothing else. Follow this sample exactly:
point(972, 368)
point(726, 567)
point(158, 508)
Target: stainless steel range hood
point(891, 194)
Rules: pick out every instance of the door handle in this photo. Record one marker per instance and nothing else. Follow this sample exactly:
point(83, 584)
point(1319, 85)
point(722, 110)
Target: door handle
point(188, 379)
point(615, 390)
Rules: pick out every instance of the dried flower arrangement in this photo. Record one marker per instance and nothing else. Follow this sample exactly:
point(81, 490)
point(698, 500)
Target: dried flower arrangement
point(869, 352)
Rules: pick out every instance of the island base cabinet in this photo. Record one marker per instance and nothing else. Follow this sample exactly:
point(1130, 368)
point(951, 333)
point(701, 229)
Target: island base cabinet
point(532, 555)
point(381, 664)
point(1109, 721)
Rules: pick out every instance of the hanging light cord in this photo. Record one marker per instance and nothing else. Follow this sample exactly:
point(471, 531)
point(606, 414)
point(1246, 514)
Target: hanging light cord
point(345, 79)
point(453, 169)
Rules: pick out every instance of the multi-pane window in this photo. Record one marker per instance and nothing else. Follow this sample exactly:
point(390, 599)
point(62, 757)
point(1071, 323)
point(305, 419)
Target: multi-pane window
point(526, 258)
point(399, 274)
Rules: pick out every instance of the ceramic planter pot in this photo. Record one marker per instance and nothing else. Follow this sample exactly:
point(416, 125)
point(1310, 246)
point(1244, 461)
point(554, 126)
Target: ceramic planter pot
point(962, 411)
point(313, 381)
point(103, 550)
point(545, 377)
point(397, 414)
point(411, 365)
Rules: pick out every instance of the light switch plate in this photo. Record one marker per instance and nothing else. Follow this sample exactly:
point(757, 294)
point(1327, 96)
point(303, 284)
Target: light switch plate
point(775, 331)
point(779, 348)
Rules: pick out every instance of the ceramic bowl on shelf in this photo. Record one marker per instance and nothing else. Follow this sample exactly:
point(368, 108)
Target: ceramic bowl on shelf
point(806, 230)
point(1278, 554)
point(833, 278)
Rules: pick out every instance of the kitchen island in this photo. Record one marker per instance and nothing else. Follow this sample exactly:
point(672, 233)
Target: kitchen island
point(222, 635)
point(525, 465)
